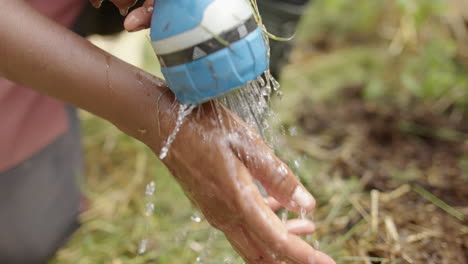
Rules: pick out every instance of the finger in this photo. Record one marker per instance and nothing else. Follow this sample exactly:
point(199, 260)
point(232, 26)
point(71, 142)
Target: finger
point(248, 248)
point(275, 176)
point(298, 251)
point(268, 230)
point(300, 227)
point(140, 18)
point(124, 4)
point(96, 3)
point(273, 203)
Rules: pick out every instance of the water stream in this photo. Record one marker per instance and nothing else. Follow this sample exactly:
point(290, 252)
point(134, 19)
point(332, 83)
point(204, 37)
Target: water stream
point(184, 111)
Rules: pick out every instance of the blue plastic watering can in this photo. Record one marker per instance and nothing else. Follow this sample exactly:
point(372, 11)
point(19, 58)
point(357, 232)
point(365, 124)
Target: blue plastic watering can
point(207, 48)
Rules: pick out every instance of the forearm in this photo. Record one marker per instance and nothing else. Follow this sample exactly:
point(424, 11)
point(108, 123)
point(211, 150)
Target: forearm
point(46, 57)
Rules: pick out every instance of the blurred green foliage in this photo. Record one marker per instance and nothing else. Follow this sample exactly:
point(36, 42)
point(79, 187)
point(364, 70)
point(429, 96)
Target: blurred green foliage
point(419, 54)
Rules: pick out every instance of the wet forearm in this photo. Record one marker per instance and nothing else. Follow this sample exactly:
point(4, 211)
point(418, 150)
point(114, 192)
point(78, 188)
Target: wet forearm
point(46, 57)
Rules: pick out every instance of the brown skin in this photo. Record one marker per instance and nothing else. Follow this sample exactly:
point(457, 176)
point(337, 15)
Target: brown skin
point(214, 164)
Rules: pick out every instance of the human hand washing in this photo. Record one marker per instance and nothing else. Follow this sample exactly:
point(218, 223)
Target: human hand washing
point(216, 165)
point(229, 155)
point(215, 157)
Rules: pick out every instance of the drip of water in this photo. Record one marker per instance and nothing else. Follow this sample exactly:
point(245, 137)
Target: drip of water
point(184, 111)
point(228, 260)
point(303, 213)
point(297, 164)
point(316, 244)
point(199, 260)
point(205, 254)
point(279, 94)
point(284, 216)
point(142, 246)
point(149, 210)
point(150, 188)
point(149, 192)
point(274, 82)
point(195, 218)
point(182, 235)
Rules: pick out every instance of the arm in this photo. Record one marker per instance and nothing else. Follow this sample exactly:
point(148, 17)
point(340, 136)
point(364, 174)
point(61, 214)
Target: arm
point(40, 54)
point(215, 165)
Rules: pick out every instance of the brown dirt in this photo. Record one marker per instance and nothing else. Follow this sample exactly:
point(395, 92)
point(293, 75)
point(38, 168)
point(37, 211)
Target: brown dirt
point(389, 149)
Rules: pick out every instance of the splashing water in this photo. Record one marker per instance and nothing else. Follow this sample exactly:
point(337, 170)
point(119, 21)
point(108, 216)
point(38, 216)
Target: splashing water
point(205, 254)
point(142, 246)
point(149, 210)
point(251, 102)
point(184, 111)
point(196, 218)
point(150, 188)
point(284, 216)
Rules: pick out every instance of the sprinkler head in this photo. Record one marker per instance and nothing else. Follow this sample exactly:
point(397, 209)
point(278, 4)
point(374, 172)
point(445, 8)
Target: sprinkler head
point(207, 48)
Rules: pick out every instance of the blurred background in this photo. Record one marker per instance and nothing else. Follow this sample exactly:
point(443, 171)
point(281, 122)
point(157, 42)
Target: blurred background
point(373, 118)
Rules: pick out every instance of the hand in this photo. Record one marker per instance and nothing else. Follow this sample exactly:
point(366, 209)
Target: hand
point(123, 5)
point(138, 19)
point(215, 158)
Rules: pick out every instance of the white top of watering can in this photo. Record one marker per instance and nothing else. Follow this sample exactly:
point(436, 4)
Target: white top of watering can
point(218, 17)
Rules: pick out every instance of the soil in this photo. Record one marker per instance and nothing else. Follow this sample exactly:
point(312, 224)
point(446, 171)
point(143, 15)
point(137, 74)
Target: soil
point(389, 148)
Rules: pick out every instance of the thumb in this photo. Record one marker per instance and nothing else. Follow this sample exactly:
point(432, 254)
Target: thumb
point(96, 3)
point(276, 177)
point(140, 18)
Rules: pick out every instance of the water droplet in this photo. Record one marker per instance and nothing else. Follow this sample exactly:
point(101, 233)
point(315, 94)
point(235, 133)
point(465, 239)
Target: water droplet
point(303, 213)
point(150, 188)
point(261, 81)
point(297, 164)
point(181, 236)
point(293, 131)
point(282, 170)
point(280, 95)
point(316, 244)
point(123, 11)
point(284, 216)
point(195, 218)
point(149, 208)
point(274, 82)
point(142, 246)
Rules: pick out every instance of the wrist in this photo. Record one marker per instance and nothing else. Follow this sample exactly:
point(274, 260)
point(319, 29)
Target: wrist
point(139, 104)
